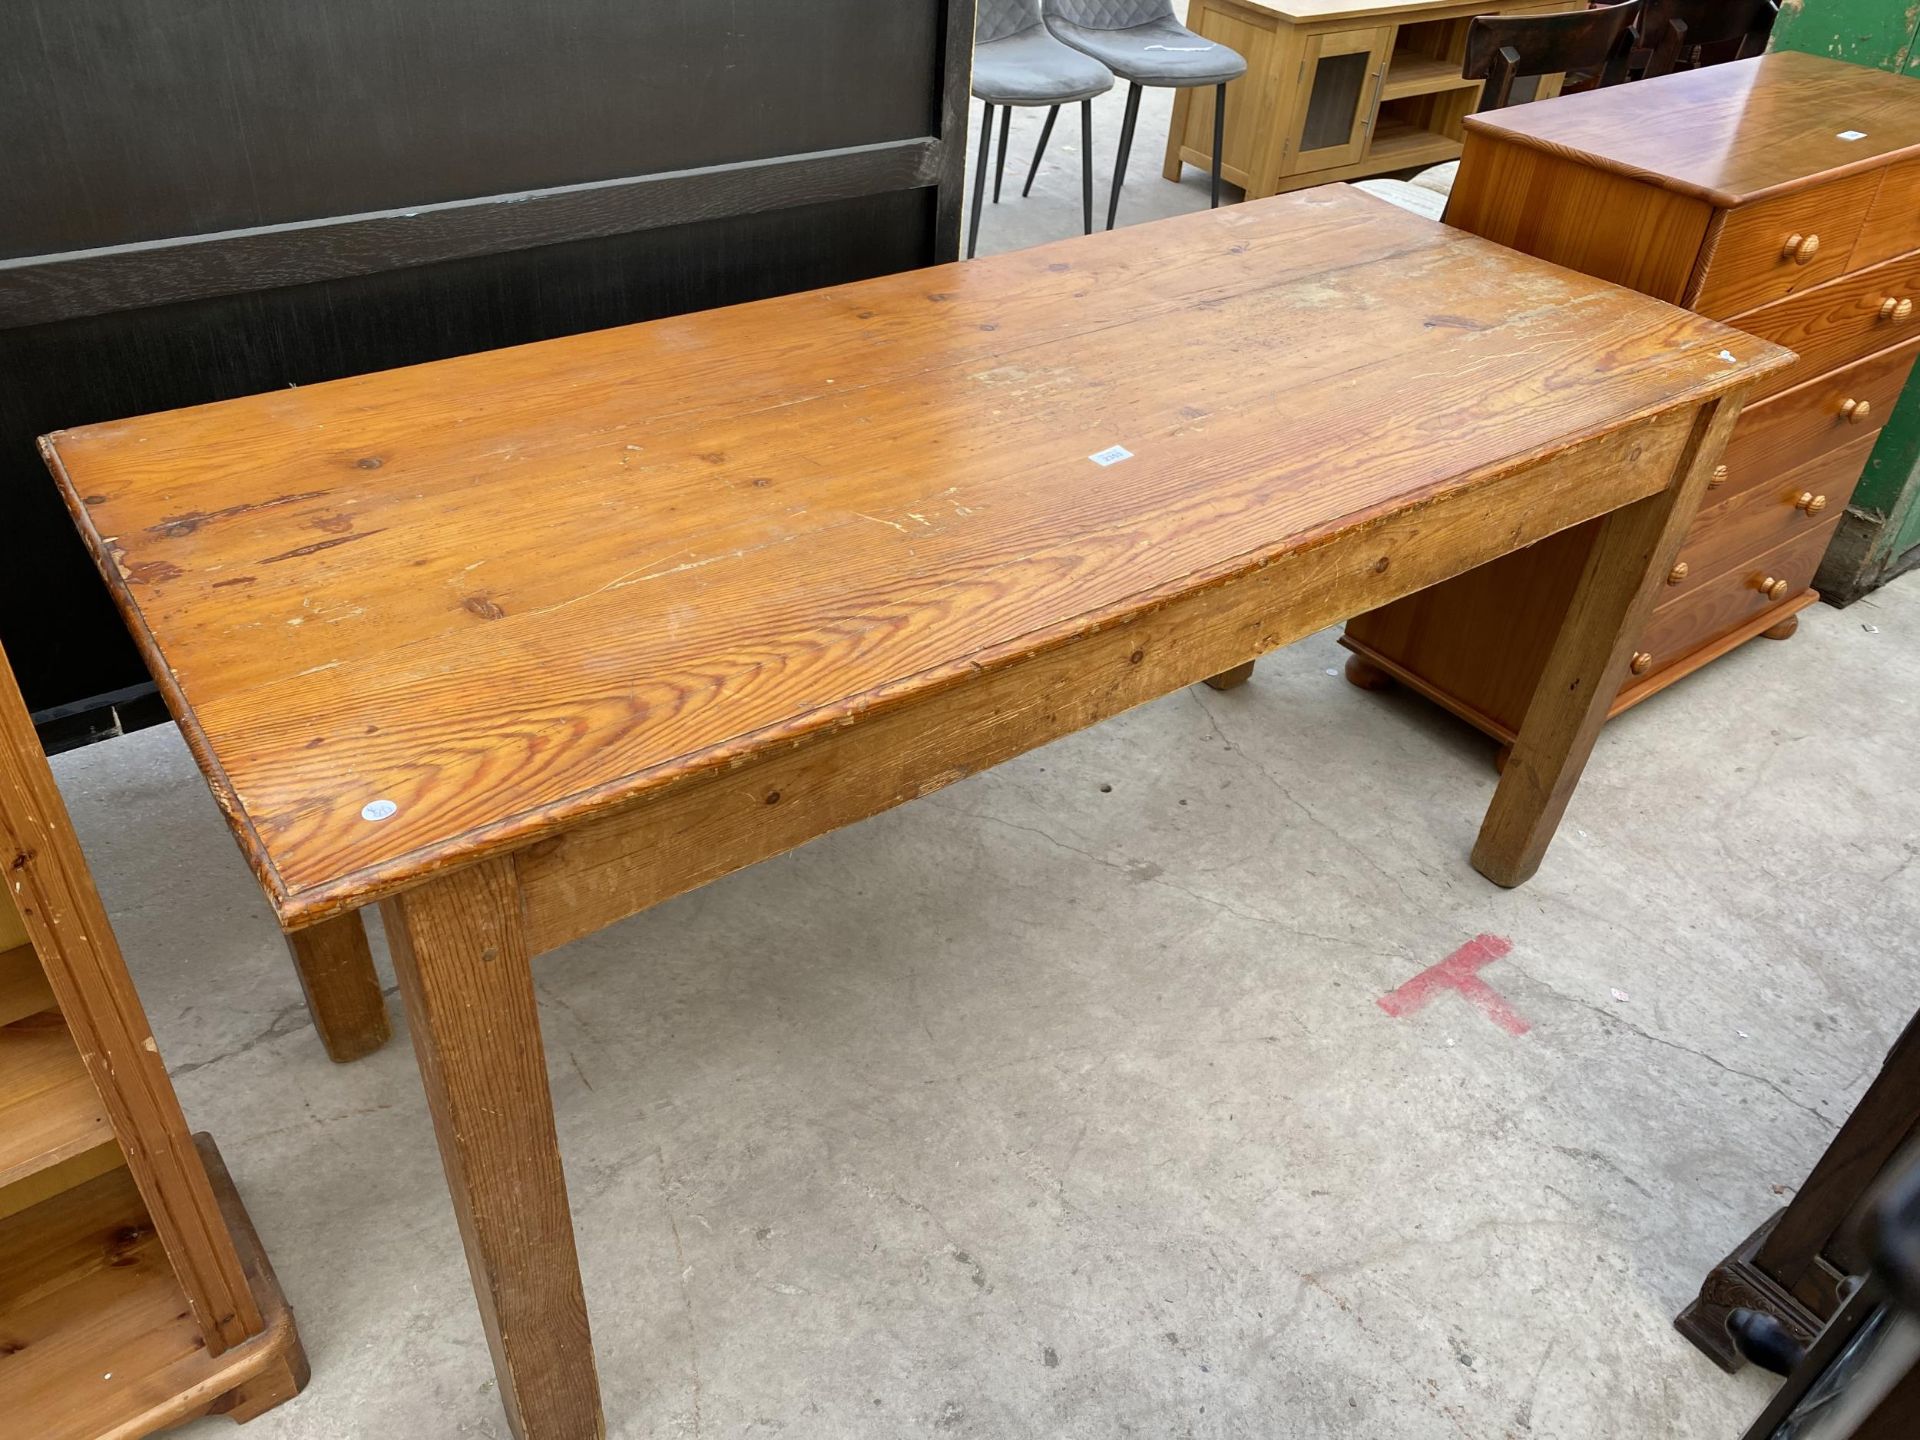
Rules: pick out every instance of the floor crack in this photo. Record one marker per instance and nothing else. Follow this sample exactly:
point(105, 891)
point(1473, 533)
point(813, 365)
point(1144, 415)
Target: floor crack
point(289, 1019)
point(1613, 1019)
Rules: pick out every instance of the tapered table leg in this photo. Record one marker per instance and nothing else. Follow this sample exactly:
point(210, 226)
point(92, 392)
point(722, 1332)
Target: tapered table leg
point(462, 959)
point(1631, 554)
point(342, 988)
point(1173, 166)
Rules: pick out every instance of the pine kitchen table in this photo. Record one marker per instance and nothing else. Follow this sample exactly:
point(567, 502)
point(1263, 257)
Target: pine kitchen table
point(519, 643)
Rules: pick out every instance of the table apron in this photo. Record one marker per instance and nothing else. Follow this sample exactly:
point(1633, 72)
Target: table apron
point(661, 845)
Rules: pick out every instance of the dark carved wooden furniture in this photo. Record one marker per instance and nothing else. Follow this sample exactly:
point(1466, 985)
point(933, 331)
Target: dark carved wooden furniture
point(1860, 1378)
point(1502, 49)
point(1780, 193)
point(1791, 1267)
point(1688, 33)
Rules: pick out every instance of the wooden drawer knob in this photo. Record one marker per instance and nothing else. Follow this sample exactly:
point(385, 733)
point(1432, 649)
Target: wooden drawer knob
point(1896, 310)
point(1677, 573)
point(1771, 588)
point(1800, 248)
point(1641, 663)
point(1811, 503)
point(1718, 478)
point(1854, 411)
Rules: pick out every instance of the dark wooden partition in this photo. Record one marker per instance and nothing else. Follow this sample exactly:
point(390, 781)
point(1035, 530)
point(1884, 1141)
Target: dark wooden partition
point(210, 200)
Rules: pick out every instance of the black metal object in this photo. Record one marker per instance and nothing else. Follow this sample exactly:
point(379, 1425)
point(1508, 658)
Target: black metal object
point(1086, 163)
point(980, 177)
point(1764, 1341)
point(1046, 133)
point(1219, 138)
point(1086, 158)
point(1126, 149)
point(1000, 163)
point(207, 201)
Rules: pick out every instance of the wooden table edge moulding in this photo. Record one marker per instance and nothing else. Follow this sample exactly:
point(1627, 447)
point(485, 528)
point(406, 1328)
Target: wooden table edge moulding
point(829, 552)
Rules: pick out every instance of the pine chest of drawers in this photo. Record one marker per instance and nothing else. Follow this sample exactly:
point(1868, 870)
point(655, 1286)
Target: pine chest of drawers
point(1781, 194)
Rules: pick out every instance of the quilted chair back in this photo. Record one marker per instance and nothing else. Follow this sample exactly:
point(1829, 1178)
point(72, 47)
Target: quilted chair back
point(1109, 14)
point(997, 19)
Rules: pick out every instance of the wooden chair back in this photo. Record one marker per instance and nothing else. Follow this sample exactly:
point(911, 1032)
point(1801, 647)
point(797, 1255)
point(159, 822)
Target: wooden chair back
point(1504, 48)
point(1686, 34)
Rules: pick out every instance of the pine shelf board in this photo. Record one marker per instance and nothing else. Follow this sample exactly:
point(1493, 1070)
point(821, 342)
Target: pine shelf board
point(1411, 74)
point(49, 1110)
point(23, 985)
point(96, 1340)
point(1397, 144)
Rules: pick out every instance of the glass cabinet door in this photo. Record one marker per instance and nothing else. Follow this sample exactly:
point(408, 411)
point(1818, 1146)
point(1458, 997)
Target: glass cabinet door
point(1338, 92)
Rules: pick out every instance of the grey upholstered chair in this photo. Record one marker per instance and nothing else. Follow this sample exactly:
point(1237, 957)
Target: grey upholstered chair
point(1016, 62)
point(1141, 42)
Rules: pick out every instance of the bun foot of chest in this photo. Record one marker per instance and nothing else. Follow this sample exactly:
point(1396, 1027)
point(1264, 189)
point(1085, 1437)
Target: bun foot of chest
point(1232, 679)
point(1366, 675)
point(1784, 630)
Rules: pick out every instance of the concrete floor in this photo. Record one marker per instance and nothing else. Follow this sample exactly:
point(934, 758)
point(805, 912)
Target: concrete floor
point(1053, 211)
point(1059, 1103)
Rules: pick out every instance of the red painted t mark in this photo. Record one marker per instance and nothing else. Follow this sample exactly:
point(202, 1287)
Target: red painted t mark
point(1461, 971)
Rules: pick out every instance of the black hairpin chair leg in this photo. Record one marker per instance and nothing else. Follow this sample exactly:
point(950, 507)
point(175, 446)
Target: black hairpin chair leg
point(1086, 163)
point(980, 177)
point(1126, 145)
point(1219, 136)
point(1046, 133)
point(1000, 166)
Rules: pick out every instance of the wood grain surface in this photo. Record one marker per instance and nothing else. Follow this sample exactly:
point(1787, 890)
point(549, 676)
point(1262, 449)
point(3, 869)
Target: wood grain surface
point(1631, 552)
point(460, 950)
point(124, 1077)
point(342, 988)
point(1731, 134)
point(510, 591)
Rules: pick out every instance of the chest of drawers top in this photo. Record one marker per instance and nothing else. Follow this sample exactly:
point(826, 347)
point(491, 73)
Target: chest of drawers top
point(1724, 189)
point(1731, 135)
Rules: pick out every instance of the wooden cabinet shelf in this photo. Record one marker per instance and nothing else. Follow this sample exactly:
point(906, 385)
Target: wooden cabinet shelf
point(1336, 91)
point(133, 1294)
point(49, 1110)
point(23, 985)
point(1397, 144)
point(1411, 74)
point(102, 1340)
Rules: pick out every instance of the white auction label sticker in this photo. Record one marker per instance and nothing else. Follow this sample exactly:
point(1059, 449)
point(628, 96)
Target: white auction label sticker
point(379, 810)
point(1112, 455)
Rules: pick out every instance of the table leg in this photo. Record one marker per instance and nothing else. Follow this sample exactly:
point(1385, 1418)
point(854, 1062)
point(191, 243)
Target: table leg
point(1232, 679)
point(1625, 568)
point(461, 955)
point(342, 988)
point(1172, 167)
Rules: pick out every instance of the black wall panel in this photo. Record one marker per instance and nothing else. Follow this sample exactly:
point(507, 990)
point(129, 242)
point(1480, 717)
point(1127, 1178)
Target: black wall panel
point(210, 199)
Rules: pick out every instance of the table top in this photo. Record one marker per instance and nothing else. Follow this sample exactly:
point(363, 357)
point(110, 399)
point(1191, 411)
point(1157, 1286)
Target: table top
point(1730, 134)
point(489, 597)
point(1383, 12)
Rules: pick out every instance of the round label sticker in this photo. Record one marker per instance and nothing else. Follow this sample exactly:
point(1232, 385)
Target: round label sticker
point(378, 810)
